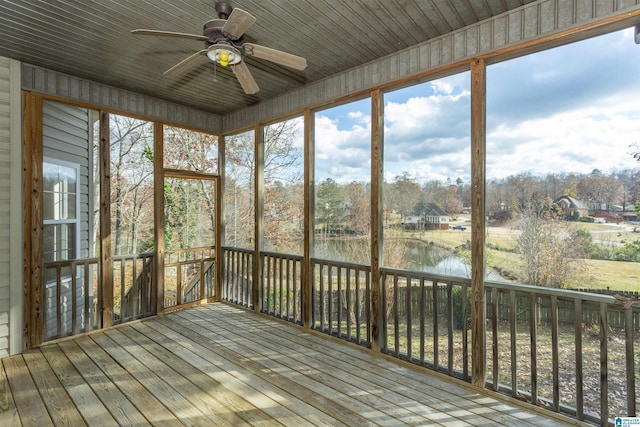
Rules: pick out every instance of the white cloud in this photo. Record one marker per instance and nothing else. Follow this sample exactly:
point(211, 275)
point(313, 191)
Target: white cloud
point(571, 109)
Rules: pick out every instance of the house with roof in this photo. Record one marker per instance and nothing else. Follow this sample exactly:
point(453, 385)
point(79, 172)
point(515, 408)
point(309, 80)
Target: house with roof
point(572, 207)
point(430, 217)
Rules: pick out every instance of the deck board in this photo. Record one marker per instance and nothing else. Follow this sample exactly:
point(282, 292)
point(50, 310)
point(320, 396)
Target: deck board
point(59, 405)
point(217, 364)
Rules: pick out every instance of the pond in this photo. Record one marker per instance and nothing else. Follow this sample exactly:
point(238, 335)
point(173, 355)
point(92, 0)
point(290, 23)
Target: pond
point(418, 256)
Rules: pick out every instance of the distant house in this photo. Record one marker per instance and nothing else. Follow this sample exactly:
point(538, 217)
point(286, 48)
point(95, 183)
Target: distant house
point(432, 217)
point(569, 205)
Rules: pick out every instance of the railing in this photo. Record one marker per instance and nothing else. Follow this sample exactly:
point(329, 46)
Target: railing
point(558, 357)
point(132, 281)
point(423, 319)
point(542, 346)
point(568, 351)
point(281, 280)
point(341, 300)
point(189, 275)
point(238, 276)
point(71, 298)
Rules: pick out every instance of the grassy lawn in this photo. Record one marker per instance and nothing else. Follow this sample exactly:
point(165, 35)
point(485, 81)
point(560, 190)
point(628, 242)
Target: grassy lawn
point(599, 274)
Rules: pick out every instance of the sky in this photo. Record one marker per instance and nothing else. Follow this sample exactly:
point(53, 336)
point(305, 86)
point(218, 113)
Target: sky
point(570, 109)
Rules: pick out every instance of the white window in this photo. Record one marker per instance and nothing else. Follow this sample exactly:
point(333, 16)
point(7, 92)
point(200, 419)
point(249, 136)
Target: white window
point(60, 210)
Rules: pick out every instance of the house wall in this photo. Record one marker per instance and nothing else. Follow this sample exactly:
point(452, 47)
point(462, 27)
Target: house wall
point(10, 209)
point(486, 38)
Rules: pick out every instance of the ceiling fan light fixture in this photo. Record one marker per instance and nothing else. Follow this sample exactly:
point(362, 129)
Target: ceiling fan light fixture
point(224, 55)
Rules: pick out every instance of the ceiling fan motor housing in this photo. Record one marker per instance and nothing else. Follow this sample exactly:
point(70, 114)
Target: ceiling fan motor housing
point(213, 32)
point(224, 9)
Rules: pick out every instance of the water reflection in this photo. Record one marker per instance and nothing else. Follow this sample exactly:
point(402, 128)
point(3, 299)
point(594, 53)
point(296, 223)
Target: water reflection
point(418, 256)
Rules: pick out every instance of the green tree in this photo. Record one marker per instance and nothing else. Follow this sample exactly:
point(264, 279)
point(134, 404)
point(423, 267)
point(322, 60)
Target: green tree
point(328, 205)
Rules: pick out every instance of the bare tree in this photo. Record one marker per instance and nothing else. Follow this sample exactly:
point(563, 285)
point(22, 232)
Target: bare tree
point(551, 250)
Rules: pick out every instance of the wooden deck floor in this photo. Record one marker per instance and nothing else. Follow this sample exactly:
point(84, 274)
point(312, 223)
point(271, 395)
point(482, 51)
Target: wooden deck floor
point(220, 365)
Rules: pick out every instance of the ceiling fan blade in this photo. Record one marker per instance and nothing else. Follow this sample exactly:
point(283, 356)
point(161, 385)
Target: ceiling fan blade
point(238, 23)
point(187, 63)
point(245, 78)
point(277, 56)
point(144, 32)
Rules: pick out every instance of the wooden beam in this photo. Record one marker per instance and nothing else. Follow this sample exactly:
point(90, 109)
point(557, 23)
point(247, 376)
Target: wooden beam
point(105, 290)
point(377, 143)
point(309, 200)
point(478, 172)
point(258, 199)
point(32, 186)
point(157, 289)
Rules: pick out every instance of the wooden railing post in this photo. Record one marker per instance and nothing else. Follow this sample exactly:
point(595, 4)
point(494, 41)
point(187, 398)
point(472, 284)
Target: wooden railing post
point(157, 293)
point(377, 134)
point(32, 190)
point(106, 261)
point(478, 172)
point(258, 234)
point(309, 200)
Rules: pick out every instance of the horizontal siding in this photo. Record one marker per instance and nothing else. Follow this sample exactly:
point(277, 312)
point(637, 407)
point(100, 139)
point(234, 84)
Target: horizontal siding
point(534, 20)
point(5, 201)
point(53, 83)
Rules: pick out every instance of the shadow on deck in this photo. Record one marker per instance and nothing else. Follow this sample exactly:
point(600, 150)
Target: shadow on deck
point(217, 364)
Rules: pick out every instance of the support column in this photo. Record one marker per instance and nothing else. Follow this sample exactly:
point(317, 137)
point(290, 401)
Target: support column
point(478, 214)
point(158, 217)
point(377, 287)
point(309, 225)
point(105, 289)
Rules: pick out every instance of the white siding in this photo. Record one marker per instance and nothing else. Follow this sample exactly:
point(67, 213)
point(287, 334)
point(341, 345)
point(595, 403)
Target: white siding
point(10, 209)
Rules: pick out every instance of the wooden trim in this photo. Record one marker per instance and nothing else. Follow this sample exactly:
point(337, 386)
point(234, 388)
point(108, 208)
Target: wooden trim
point(258, 205)
point(185, 174)
point(105, 289)
point(158, 217)
point(33, 331)
point(478, 172)
point(377, 178)
point(309, 200)
point(186, 305)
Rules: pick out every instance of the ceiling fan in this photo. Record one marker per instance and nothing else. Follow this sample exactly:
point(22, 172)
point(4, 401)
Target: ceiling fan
point(224, 38)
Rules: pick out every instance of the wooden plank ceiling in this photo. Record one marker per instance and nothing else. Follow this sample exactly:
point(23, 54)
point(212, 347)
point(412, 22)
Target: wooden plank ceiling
point(92, 40)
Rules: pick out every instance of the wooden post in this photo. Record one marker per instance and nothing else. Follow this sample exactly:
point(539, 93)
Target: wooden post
point(105, 290)
point(478, 172)
point(309, 201)
point(258, 199)
point(157, 291)
point(33, 332)
point(377, 135)
point(220, 267)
